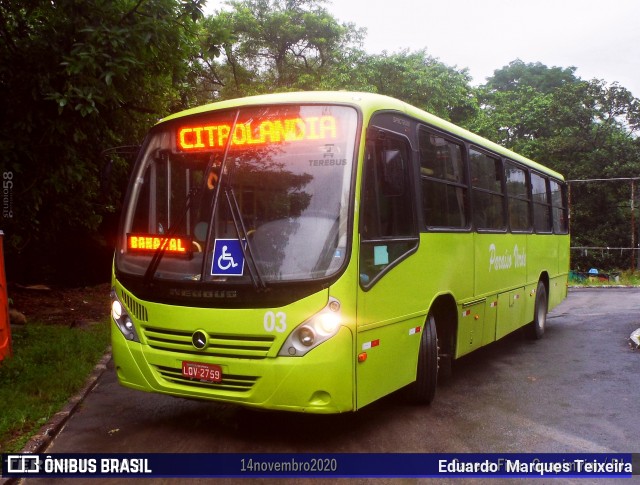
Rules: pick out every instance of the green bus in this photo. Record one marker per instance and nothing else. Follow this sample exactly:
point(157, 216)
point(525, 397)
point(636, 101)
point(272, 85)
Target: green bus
point(316, 251)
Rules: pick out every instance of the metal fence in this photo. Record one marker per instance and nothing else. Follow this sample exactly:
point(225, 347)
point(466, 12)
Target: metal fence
point(604, 257)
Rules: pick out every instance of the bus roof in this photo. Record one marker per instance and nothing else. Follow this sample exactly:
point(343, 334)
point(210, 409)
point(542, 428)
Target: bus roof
point(368, 103)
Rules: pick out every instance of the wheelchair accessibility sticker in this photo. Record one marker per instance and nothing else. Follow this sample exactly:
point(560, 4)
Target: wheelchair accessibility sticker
point(228, 259)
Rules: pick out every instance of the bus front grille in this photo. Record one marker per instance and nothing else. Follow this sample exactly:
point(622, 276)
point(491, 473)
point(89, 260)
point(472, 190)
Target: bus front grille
point(218, 345)
point(230, 382)
point(136, 308)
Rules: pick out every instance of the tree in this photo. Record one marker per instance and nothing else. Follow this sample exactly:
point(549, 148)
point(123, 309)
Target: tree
point(541, 78)
point(423, 81)
point(284, 45)
point(583, 129)
point(83, 76)
point(594, 126)
point(277, 45)
point(515, 103)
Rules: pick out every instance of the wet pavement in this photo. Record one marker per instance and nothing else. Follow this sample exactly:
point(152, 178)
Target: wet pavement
point(576, 390)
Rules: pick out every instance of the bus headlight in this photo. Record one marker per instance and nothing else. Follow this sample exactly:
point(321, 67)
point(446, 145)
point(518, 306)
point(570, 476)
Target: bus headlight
point(319, 328)
point(122, 319)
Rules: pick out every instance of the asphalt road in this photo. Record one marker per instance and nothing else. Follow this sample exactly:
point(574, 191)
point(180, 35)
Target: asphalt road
point(576, 390)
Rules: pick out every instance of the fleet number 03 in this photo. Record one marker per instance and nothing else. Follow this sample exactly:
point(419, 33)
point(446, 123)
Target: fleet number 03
point(275, 321)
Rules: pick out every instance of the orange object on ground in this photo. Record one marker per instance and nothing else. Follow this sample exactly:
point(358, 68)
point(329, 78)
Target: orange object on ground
point(5, 327)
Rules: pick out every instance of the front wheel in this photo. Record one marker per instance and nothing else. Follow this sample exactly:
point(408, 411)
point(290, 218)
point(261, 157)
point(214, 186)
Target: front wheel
point(537, 326)
point(423, 390)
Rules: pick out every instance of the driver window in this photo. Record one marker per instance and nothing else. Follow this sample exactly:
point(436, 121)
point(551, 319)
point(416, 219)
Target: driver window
point(388, 225)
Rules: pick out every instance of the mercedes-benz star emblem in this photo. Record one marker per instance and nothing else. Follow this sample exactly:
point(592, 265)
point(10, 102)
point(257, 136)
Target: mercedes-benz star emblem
point(199, 339)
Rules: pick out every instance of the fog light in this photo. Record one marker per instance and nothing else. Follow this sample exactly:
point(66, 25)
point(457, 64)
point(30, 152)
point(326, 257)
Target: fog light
point(306, 336)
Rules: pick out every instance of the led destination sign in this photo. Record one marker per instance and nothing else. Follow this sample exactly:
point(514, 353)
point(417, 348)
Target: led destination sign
point(250, 133)
point(149, 242)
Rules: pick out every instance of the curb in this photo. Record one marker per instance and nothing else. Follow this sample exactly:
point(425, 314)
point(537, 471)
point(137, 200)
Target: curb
point(45, 435)
point(41, 440)
point(598, 287)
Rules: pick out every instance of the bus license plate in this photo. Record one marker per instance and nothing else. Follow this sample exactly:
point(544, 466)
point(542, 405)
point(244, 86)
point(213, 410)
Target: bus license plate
point(203, 372)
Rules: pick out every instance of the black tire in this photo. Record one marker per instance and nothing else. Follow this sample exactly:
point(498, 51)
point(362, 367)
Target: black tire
point(423, 390)
point(537, 326)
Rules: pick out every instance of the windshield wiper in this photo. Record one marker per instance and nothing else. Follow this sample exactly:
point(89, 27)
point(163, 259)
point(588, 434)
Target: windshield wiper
point(159, 253)
point(173, 230)
point(241, 230)
point(224, 184)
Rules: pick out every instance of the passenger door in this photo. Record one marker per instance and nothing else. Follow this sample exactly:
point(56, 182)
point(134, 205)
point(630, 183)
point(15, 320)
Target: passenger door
point(387, 336)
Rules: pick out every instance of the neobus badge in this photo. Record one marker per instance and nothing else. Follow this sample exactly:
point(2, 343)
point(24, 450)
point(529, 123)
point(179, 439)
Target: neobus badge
point(247, 134)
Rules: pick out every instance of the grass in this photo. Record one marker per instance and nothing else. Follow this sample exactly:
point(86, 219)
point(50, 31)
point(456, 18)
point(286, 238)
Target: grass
point(50, 364)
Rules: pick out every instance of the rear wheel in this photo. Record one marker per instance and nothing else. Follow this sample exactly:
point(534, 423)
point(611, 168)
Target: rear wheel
point(423, 390)
point(537, 326)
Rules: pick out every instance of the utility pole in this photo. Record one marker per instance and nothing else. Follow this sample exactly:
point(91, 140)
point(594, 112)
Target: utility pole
point(633, 225)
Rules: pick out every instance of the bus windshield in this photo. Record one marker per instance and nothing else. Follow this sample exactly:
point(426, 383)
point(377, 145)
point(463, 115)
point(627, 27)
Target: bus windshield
point(255, 196)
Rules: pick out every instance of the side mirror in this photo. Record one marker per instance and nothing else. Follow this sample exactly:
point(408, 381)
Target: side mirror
point(110, 154)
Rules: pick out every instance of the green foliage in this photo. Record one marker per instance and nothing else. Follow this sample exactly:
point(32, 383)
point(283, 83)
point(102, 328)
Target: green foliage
point(81, 77)
point(423, 81)
point(583, 129)
point(537, 76)
point(50, 364)
point(591, 136)
point(276, 45)
point(512, 118)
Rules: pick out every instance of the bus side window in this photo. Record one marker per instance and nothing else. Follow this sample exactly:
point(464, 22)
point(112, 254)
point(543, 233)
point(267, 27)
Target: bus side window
point(487, 192)
point(444, 185)
point(388, 224)
point(541, 204)
point(519, 198)
point(387, 207)
point(559, 207)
